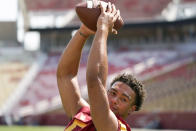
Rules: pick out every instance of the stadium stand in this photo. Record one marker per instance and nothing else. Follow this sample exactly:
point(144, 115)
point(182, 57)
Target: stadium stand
point(61, 14)
point(164, 86)
point(144, 64)
point(173, 91)
point(131, 11)
point(11, 74)
point(12, 71)
point(188, 1)
point(15, 67)
point(50, 5)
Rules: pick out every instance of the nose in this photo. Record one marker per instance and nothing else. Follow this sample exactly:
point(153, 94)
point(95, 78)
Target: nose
point(115, 100)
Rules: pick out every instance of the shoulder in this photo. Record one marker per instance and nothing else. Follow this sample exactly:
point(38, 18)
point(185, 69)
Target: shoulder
point(80, 120)
point(122, 125)
point(83, 114)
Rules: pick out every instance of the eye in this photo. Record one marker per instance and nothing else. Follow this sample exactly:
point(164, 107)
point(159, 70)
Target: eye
point(123, 99)
point(112, 93)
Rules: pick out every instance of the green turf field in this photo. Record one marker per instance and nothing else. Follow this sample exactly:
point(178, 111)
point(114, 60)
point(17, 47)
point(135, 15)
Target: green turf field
point(31, 128)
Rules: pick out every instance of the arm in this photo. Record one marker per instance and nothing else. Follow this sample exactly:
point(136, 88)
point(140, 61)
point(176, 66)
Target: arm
point(97, 70)
point(67, 73)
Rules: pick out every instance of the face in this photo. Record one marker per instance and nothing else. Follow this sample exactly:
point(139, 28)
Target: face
point(121, 99)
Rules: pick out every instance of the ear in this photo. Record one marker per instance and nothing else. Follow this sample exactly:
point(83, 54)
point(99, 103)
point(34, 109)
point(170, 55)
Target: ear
point(132, 109)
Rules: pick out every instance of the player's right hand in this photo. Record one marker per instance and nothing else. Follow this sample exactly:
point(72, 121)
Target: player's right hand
point(86, 31)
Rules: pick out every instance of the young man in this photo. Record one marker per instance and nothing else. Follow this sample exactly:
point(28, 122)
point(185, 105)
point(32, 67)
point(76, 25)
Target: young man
point(106, 109)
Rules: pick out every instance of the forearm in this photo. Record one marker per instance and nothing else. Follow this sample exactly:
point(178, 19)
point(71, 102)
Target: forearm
point(69, 61)
point(97, 70)
point(97, 66)
point(67, 74)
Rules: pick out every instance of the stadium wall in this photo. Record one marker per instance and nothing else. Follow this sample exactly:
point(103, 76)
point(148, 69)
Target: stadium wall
point(158, 32)
point(8, 31)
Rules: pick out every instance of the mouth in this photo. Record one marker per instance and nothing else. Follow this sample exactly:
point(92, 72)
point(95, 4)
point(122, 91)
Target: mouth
point(114, 109)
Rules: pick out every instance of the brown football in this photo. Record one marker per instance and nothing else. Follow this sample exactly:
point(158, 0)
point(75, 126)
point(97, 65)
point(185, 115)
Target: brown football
point(89, 11)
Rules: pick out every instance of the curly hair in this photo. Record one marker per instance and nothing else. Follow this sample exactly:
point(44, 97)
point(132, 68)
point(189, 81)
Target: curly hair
point(135, 85)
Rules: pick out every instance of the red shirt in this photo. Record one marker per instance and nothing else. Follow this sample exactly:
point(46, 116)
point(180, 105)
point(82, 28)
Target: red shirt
point(82, 121)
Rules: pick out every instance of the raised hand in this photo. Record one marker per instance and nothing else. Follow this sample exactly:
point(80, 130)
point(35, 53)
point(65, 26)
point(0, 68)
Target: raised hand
point(85, 31)
point(107, 18)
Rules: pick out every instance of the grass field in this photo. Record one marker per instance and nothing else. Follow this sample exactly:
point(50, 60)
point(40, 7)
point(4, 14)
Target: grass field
point(31, 128)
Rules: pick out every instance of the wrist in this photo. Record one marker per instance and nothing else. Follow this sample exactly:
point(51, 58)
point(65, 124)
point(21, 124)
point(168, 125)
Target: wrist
point(83, 33)
point(103, 29)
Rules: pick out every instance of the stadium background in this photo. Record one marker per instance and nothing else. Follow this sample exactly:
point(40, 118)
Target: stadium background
point(157, 44)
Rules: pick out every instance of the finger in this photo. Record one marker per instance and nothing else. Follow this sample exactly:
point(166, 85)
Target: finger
point(109, 7)
point(99, 2)
point(119, 15)
point(113, 9)
point(114, 31)
point(102, 7)
point(116, 16)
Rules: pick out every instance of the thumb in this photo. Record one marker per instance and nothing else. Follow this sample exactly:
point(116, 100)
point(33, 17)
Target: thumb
point(114, 31)
point(102, 7)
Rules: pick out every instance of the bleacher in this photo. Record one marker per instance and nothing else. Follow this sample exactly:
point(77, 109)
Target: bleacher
point(14, 66)
point(168, 74)
point(44, 5)
point(11, 74)
point(43, 91)
point(60, 14)
point(188, 1)
point(131, 11)
point(134, 10)
point(172, 91)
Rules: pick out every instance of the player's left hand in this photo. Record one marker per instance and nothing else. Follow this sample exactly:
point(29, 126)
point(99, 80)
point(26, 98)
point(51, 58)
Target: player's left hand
point(107, 18)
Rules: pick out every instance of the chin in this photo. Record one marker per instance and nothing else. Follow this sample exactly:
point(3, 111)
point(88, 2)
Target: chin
point(115, 112)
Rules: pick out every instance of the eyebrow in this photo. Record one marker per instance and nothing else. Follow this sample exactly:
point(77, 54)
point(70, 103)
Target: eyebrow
point(129, 97)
